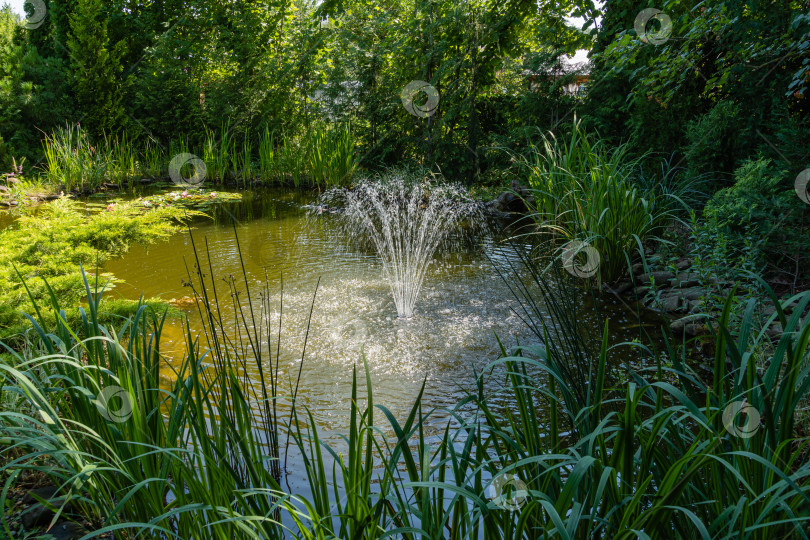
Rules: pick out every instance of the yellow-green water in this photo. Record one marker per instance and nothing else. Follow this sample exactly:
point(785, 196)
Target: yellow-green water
point(463, 309)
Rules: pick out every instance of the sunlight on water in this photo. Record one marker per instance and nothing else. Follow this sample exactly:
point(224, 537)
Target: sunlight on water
point(464, 308)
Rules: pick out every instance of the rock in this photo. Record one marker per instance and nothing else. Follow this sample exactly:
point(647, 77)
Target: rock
point(66, 530)
point(670, 303)
point(144, 180)
point(13, 181)
point(680, 325)
point(508, 202)
point(658, 277)
point(3, 189)
point(693, 293)
point(775, 331)
point(701, 329)
point(43, 493)
point(39, 514)
point(520, 189)
point(621, 288)
point(641, 291)
point(683, 264)
point(686, 279)
point(695, 306)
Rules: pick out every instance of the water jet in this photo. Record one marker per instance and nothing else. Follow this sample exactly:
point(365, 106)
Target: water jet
point(406, 218)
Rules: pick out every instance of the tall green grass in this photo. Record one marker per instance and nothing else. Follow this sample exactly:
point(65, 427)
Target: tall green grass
point(585, 190)
point(323, 157)
point(331, 155)
point(622, 452)
point(72, 160)
point(151, 460)
point(646, 456)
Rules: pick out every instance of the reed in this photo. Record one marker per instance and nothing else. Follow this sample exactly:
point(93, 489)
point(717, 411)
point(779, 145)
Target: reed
point(72, 160)
point(217, 152)
point(152, 164)
point(246, 166)
point(644, 452)
point(267, 157)
point(624, 452)
point(331, 155)
point(323, 157)
point(584, 190)
point(151, 461)
point(122, 162)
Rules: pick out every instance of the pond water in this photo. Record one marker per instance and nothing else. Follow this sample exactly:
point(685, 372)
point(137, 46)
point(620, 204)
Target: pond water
point(464, 307)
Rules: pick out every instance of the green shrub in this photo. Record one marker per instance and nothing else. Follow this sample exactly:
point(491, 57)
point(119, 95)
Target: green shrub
point(761, 207)
point(714, 140)
point(54, 240)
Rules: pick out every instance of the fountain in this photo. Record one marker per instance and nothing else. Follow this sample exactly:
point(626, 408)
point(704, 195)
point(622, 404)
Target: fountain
point(406, 217)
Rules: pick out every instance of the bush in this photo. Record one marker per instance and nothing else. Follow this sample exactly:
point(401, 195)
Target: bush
point(714, 140)
point(52, 241)
point(762, 204)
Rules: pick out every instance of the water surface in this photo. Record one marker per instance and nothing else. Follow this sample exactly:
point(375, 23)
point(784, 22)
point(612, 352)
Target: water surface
point(464, 307)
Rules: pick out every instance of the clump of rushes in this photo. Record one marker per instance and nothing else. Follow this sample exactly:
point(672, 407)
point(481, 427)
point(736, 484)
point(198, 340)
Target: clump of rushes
point(72, 160)
point(128, 456)
point(331, 155)
point(584, 189)
point(589, 450)
point(323, 157)
point(198, 460)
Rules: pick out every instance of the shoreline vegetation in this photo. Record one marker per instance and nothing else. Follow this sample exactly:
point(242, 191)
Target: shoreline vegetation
point(628, 448)
point(668, 171)
point(589, 457)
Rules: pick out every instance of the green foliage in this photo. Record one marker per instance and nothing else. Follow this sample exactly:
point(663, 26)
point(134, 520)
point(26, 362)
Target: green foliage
point(331, 155)
point(623, 451)
point(96, 65)
point(54, 240)
point(114, 457)
point(718, 91)
point(714, 140)
point(584, 190)
point(73, 161)
point(762, 209)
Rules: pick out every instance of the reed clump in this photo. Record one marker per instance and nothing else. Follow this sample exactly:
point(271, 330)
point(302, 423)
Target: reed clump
point(323, 156)
point(623, 452)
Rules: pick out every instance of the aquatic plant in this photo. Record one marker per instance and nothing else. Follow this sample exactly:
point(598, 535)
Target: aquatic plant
point(216, 150)
point(406, 216)
point(267, 157)
point(646, 451)
point(584, 190)
point(72, 160)
point(331, 156)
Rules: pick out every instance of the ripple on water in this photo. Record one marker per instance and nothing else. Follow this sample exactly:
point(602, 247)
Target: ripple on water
point(463, 309)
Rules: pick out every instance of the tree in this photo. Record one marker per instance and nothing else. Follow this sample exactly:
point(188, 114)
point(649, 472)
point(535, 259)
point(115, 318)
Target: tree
point(97, 68)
